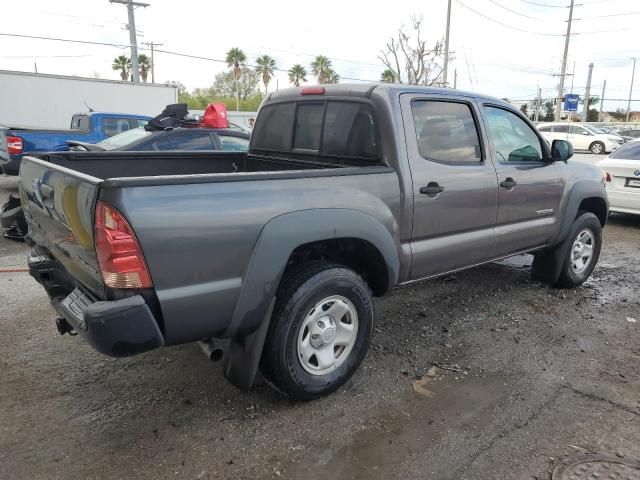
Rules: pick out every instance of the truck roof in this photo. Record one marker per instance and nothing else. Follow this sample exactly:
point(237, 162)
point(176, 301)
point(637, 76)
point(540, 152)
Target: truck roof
point(366, 89)
point(112, 114)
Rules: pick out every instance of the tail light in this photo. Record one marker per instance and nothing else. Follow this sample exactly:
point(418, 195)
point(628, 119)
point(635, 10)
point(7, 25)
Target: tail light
point(120, 258)
point(15, 145)
point(607, 177)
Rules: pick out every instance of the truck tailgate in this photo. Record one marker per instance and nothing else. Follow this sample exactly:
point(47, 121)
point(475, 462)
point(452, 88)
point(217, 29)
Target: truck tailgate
point(59, 206)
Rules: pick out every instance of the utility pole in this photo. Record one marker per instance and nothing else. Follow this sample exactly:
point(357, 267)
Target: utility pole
point(455, 78)
point(633, 73)
point(135, 68)
point(587, 92)
point(538, 101)
point(604, 86)
point(564, 64)
point(151, 45)
point(446, 46)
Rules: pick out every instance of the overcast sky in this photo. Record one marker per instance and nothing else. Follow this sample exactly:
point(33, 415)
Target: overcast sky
point(491, 58)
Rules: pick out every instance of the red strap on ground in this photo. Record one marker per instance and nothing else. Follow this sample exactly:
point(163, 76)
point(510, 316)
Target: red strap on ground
point(13, 270)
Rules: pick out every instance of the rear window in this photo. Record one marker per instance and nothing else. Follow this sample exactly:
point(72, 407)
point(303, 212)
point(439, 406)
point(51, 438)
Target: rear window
point(273, 130)
point(333, 128)
point(80, 122)
point(630, 151)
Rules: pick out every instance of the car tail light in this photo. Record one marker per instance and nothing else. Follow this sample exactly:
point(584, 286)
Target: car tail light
point(120, 258)
point(607, 177)
point(15, 145)
point(313, 91)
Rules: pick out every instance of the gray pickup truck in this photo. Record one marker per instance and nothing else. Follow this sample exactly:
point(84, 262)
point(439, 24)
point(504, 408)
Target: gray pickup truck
point(346, 191)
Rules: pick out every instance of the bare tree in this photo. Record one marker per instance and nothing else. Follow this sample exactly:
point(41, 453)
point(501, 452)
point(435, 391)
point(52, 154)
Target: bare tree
point(411, 60)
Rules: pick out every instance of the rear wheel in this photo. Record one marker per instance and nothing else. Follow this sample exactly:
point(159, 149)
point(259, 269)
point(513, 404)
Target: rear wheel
point(320, 330)
point(597, 148)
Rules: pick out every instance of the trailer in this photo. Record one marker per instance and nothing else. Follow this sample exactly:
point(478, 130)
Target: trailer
point(39, 100)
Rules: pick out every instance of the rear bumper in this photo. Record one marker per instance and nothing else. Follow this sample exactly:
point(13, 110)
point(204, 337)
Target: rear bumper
point(624, 201)
point(116, 328)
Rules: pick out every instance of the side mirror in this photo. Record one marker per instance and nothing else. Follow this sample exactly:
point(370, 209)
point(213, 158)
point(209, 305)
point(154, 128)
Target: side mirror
point(586, 133)
point(561, 151)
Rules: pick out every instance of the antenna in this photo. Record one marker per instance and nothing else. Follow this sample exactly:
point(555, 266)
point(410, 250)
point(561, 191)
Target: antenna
point(90, 109)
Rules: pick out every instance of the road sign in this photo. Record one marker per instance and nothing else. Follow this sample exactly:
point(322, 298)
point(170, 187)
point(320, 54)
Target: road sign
point(571, 102)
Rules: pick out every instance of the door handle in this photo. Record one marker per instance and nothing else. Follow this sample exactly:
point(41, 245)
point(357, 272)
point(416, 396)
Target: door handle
point(432, 189)
point(508, 183)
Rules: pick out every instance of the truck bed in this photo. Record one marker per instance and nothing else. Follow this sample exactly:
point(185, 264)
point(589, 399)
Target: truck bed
point(109, 165)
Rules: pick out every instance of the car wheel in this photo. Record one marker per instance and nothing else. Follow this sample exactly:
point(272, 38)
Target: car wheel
point(319, 332)
point(597, 148)
point(583, 252)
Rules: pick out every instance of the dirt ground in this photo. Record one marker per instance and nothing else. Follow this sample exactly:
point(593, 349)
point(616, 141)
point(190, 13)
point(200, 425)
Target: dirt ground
point(524, 376)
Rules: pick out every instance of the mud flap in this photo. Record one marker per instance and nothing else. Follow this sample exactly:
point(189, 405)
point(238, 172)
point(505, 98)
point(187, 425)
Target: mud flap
point(243, 356)
point(547, 264)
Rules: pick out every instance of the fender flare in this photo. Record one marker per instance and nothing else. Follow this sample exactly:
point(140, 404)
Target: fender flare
point(547, 264)
point(277, 240)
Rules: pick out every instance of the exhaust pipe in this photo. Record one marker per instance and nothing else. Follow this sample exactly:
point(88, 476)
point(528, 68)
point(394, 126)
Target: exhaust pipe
point(214, 348)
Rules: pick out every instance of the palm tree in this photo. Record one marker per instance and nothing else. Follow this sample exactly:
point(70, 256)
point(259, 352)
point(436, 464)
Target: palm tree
point(297, 74)
point(388, 76)
point(320, 67)
point(236, 59)
point(122, 63)
point(144, 62)
point(332, 76)
point(265, 65)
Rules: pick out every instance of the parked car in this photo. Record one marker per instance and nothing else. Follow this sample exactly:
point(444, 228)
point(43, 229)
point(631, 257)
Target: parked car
point(346, 191)
point(622, 171)
point(581, 136)
point(194, 138)
point(629, 132)
point(85, 127)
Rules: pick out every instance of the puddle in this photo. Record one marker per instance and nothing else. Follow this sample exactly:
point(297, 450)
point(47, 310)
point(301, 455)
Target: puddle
point(435, 405)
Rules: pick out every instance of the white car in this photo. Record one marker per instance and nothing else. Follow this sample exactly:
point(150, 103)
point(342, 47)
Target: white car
point(581, 136)
point(622, 171)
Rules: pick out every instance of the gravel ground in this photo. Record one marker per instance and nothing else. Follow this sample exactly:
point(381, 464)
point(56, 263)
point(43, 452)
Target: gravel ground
point(525, 375)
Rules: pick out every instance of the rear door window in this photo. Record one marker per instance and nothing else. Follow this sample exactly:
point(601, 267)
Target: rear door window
point(446, 132)
point(196, 141)
point(630, 151)
point(561, 129)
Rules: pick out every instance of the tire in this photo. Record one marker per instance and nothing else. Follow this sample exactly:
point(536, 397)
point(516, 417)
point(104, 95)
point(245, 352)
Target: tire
point(586, 230)
point(597, 148)
point(286, 362)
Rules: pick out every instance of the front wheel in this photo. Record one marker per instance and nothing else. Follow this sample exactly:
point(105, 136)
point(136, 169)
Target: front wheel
point(583, 254)
point(597, 148)
point(320, 330)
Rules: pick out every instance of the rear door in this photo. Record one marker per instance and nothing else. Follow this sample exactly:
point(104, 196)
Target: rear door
point(59, 205)
point(530, 186)
point(454, 183)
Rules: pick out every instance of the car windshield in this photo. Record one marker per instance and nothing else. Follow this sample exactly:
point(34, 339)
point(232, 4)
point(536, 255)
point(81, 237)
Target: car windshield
point(124, 138)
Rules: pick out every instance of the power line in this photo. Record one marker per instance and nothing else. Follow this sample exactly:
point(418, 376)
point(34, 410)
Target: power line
point(514, 11)
point(543, 4)
point(610, 15)
point(509, 26)
point(56, 39)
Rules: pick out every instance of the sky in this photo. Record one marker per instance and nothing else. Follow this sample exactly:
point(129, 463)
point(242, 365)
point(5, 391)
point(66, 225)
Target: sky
point(504, 48)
